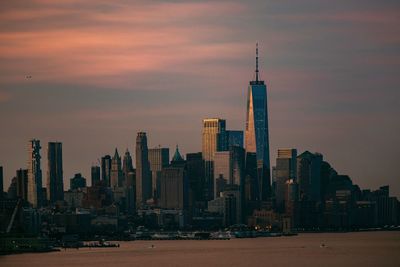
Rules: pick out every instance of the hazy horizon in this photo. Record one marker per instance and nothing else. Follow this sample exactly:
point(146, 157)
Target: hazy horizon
point(92, 74)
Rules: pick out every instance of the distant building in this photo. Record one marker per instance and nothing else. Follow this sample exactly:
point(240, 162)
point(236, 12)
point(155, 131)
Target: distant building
point(256, 134)
point(234, 138)
point(95, 174)
point(195, 172)
point(174, 188)
point(116, 171)
point(285, 170)
point(1, 182)
point(78, 181)
point(34, 174)
point(55, 182)
point(158, 159)
point(22, 184)
point(309, 175)
point(213, 140)
point(106, 169)
point(127, 168)
point(143, 175)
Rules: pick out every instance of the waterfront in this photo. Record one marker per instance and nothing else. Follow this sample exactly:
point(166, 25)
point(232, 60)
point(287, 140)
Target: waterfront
point(344, 249)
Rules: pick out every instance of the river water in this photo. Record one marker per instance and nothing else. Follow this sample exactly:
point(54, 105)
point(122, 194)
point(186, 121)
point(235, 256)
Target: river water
point(338, 249)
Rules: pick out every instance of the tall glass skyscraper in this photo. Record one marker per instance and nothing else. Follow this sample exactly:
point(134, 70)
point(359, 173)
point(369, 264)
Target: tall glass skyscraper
point(55, 182)
point(256, 135)
point(213, 140)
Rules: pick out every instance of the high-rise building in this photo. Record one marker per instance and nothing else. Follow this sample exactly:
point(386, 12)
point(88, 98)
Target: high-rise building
point(285, 170)
point(195, 173)
point(158, 159)
point(143, 177)
point(127, 168)
point(1, 182)
point(116, 171)
point(234, 138)
point(78, 181)
point(22, 184)
point(106, 169)
point(95, 175)
point(309, 175)
point(34, 174)
point(214, 139)
point(55, 181)
point(256, 134)
point(174, 188)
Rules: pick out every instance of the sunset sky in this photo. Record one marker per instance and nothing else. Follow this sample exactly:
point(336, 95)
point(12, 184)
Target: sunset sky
point(103, 70)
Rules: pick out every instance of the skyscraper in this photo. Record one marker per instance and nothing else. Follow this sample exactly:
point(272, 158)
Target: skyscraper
point(158, 159)
point(234, 138)
point(143, 177)
point(1, 182)
point(116, 170)
point(22, 184)
point(309, 175)
point(127, 168)
point(256, 134)
point(78, 181)
point(213, 140)
point(285, 170)
point(55, 183)
point(95, 174)
point(34, 174)
point(106, 170)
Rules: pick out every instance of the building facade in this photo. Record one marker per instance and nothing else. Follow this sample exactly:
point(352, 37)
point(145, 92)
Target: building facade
point(256, 133)
point(158, 159)
point(143, 176)
point(213, 140)
point(55, 180)
point(34, 174)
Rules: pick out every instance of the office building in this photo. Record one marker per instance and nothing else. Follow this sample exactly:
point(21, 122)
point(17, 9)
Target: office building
point(234, 138)
point(127, 169)
point(116, 170)
point(309, 176)
point(106, 170)
point(143, 175)
point(256, 133)
point(55, 181)
point(174, 188)
point(285, 170)
point(95, 175)
point(22, 184)
point(158, 159)
point(34, 174)
point(213, 140)
point(78, 181)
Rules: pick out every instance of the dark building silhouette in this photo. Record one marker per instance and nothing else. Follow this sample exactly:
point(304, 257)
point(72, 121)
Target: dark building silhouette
point(285, 170)
point(1, 182)
point(174, 188)
point(309, 175)
point(95, 175)
point(106, 169)
point(55, 183)
point(22, 184)
point(143, 176)
point(127, 169)
point(116, 170)
point(78, 181)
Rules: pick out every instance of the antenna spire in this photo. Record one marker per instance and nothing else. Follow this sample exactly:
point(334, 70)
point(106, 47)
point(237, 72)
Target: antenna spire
point(257, 62)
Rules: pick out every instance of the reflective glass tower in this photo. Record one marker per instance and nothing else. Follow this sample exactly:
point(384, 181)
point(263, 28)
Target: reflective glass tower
point(256, 135)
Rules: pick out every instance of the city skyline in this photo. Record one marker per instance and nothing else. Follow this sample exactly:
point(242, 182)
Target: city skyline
point(323, 92)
